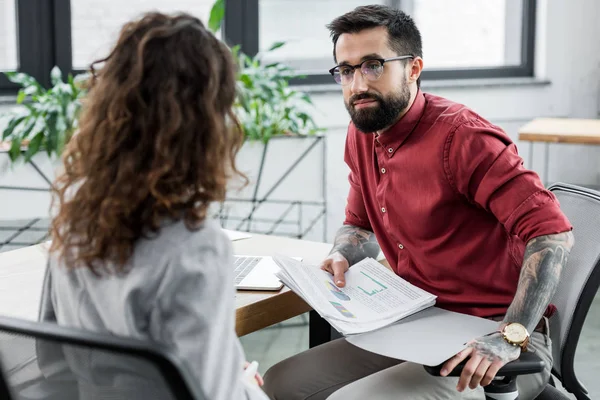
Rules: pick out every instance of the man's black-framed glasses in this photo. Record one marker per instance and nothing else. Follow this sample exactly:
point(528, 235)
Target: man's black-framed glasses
point(371, 69)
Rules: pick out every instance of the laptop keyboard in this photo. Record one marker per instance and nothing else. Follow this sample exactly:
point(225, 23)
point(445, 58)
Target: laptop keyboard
point(243, 266)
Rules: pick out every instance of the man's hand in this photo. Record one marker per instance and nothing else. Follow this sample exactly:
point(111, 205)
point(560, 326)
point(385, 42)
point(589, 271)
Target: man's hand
point(337, 265)
point(351, 245)
point(487, 355)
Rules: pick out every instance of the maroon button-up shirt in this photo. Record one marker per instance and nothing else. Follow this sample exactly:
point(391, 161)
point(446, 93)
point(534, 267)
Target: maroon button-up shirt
point(450, 203)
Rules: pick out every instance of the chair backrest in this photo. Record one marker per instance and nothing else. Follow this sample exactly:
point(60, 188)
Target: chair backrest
point(44, 360)
point(580, 278)
point(4, 390)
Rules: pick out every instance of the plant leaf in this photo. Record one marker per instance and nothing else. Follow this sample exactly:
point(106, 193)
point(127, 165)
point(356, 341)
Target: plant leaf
point(24, 134)
point(22, 79)
point(34, 146)
point(276, 45)
point(217, 14)
point(52, 135)
point(307, 98)
point(12, 124)
point(21, 96)
point(56, 76)
point(32, 90)
point(15, 149)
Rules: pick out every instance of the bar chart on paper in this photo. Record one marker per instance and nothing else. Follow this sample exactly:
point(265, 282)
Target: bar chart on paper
point(372, 286)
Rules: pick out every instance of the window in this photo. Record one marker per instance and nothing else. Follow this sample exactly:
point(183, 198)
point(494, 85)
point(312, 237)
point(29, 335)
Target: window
point(479, 33)
point(308, 47)
point(8, 36)
point(96, 24)
point(29, 32)
point(461, 38)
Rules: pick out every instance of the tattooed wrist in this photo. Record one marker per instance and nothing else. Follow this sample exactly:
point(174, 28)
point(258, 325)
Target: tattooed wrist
point(544, 259)
point(495, 348)
point(355, 244)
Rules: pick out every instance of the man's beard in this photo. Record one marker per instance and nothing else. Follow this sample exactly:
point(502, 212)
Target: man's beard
point(381, 116)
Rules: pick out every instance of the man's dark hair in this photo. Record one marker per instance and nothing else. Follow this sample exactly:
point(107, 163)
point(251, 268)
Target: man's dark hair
point(404, 36)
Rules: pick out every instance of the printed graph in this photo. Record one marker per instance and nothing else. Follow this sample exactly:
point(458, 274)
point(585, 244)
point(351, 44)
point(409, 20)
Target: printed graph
point(373, 287)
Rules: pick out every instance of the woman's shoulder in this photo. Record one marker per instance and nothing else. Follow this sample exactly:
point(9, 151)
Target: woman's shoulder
point(175, 234)
point(177, 243)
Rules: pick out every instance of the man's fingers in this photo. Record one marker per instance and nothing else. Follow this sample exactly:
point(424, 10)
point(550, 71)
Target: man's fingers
point(338, 273)
point(491, 373)
point(326, 266)
point(337, 266)
point(468, 371)
point(480, 373)
point(454, 361)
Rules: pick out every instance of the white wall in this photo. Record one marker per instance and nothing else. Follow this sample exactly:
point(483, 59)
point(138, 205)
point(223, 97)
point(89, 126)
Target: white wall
point(567, 60)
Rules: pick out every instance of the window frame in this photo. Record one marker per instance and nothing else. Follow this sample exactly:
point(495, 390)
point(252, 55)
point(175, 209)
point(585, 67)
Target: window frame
point(235, 29)
point(525, 69)
point(44, 40)
point(41, 26)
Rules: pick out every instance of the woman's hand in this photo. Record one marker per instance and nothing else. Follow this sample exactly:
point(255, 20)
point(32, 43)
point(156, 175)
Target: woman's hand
point(257, 378)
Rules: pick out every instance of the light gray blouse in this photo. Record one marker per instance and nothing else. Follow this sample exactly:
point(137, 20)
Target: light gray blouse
point(179, 291)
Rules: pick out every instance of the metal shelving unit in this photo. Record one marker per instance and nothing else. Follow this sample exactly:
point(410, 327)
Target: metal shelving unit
point(290, 213)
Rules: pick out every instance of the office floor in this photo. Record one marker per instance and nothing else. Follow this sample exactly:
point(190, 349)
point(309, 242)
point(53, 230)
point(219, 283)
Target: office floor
point(276, 343)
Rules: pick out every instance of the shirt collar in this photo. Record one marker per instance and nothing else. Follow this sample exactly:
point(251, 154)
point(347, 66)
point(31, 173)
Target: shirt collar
point(393, 138)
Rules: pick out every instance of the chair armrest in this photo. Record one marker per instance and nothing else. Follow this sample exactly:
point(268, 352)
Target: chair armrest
point(527, 363)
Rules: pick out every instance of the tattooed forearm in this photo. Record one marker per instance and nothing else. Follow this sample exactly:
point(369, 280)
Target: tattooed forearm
point(544, 259)
point(355, 243)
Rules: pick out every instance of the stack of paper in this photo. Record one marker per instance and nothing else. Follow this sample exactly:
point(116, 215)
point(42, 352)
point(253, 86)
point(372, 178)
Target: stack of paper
point(372, 298)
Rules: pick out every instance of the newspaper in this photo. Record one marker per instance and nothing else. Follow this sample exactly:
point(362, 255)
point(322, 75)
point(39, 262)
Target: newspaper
point(372, 298)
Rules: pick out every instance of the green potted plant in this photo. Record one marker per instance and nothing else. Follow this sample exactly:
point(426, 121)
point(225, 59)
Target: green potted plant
point(46, 118)
point(267, 105)
point(268, 108)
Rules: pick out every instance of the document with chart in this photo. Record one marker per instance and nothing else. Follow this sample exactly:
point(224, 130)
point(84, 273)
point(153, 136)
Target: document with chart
point(372, 298)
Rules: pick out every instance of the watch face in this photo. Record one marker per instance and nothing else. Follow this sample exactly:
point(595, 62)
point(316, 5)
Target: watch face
point(515, 333)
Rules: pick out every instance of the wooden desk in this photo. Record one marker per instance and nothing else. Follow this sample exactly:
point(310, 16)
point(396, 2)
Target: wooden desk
point(257, 310)
point(559, 130)
point(22, 275)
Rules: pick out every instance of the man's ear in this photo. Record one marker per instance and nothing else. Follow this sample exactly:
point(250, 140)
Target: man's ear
point(416, 67)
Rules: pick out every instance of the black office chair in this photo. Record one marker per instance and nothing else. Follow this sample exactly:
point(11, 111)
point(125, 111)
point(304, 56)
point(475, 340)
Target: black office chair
point(4, 390)
point(576, 291)
point(47, 361)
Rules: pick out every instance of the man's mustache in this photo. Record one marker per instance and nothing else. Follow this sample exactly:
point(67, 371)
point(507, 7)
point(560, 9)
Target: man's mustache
point(364, 96)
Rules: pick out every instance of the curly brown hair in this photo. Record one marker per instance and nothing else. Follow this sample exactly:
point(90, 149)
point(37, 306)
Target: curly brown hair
point(157, 142)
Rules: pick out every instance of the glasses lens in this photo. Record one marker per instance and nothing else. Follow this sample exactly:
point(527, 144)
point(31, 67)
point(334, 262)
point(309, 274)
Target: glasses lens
point(346, 74)
point(336, 75)
point(372, 69)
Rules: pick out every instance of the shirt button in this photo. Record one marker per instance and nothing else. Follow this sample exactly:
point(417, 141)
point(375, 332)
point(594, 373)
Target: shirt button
point(390, 150)
point(383, 209)
point(383, 170)
point(400, 246)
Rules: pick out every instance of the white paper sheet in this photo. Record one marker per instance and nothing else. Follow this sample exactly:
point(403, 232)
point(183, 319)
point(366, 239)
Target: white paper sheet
point(373, 296)
point(428, 337)
point(237, 235)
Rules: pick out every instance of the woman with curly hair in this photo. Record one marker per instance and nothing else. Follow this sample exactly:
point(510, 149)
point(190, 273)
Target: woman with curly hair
point(133, 251)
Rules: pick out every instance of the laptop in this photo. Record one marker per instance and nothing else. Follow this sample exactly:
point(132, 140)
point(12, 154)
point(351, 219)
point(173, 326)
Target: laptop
point(256, 273)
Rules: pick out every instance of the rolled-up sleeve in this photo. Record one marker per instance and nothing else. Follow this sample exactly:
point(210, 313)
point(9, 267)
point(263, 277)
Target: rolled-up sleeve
point(356, 213)
point(482, 164)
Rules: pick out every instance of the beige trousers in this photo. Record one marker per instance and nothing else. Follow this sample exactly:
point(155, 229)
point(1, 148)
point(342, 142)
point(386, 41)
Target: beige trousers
point(339, 370)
